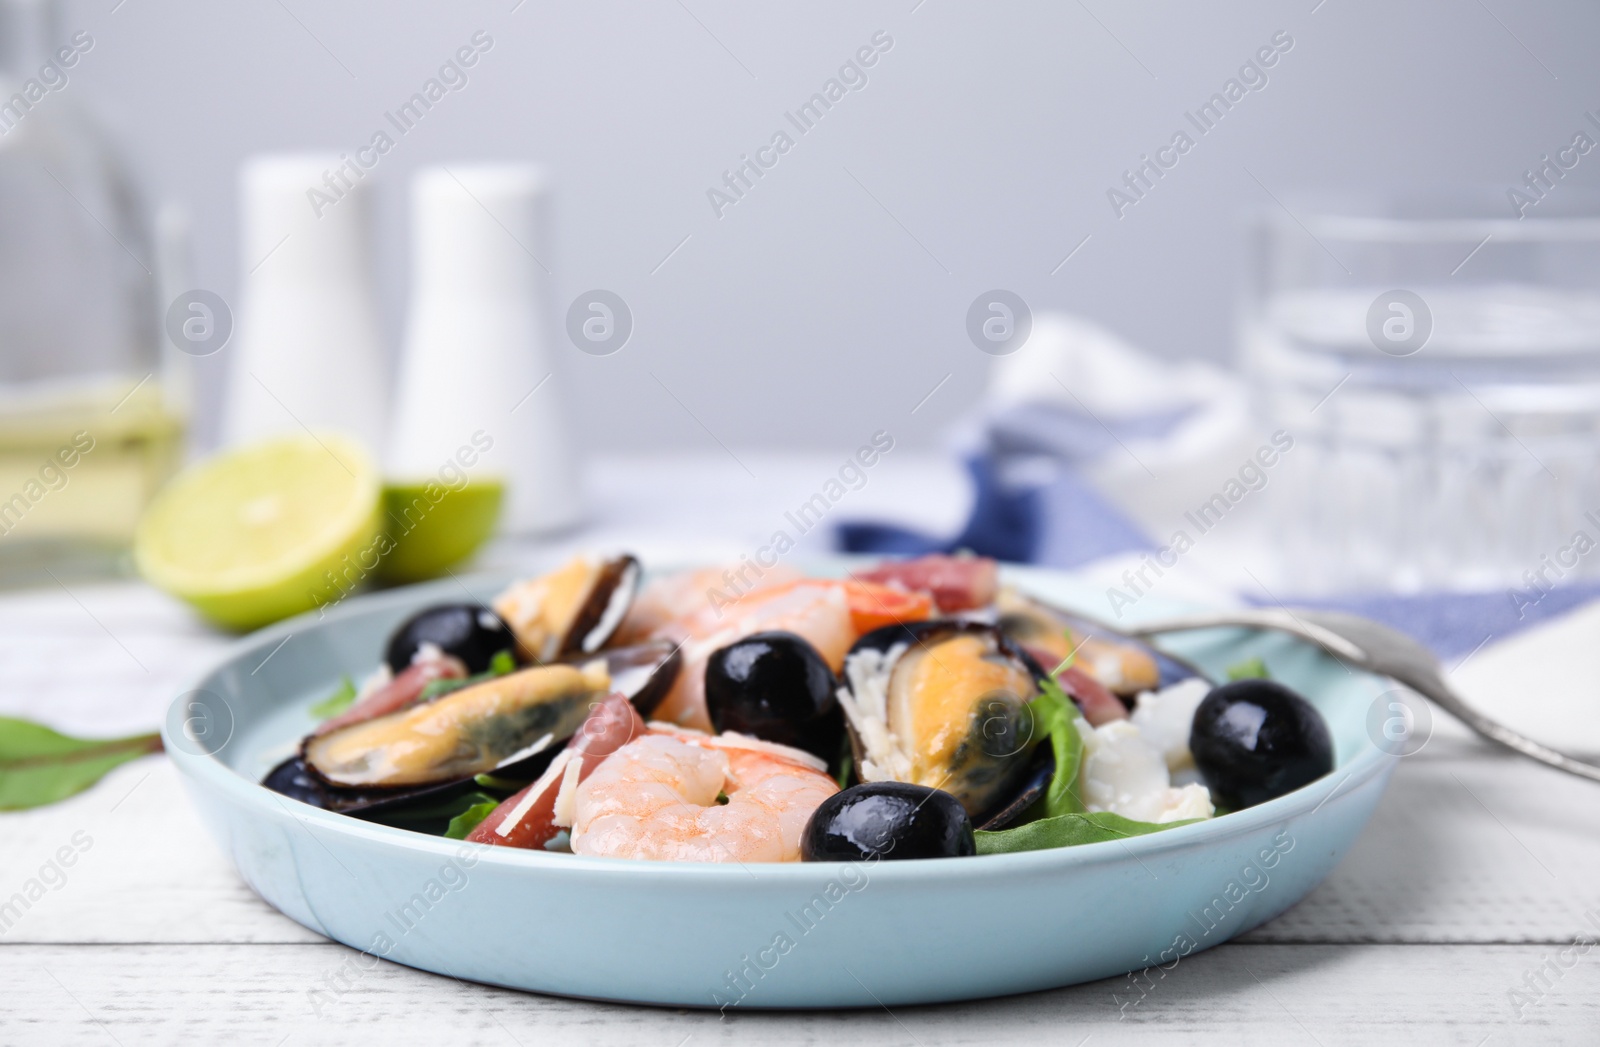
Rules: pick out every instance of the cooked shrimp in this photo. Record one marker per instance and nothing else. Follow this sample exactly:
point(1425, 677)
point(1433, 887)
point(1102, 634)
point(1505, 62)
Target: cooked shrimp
point(657, 798)
point(671, 597)
point(819, 612)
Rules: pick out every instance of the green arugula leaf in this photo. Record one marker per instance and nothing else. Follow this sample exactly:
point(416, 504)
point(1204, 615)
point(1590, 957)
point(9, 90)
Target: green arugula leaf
point(337, 702)
point(495, 782)
point(1072, 656)
point(1254, 669)
point(39, 766)
point(1053, 714)
point(502, 664)
point(1067, 830)
point(469, 819)
point(432, 814)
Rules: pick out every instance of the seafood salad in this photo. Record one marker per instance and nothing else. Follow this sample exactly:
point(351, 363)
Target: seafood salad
point(916, 709)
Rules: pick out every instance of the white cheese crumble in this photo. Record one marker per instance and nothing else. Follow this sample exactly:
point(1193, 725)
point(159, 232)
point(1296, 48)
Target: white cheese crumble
point(1165, 716)
point(1124, 774)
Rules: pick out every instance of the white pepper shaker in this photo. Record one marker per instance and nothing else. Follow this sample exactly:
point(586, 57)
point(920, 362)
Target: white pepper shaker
point(477, 359)
point(308, 353)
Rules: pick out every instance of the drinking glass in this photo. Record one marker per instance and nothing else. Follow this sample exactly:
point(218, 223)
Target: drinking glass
point(1436, 359)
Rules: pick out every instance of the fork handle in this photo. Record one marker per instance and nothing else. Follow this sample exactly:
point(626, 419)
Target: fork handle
point(1433, 687)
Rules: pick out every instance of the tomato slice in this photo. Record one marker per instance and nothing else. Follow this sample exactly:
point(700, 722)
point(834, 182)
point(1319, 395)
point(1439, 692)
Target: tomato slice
point(873, 606)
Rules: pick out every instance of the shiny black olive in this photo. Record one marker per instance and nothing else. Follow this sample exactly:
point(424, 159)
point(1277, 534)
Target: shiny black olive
point(887, 820)
point(1254, 740)
point(469, 631)
point(775, 686)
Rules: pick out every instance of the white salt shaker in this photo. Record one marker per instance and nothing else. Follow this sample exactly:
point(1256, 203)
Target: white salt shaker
point(308, 353)
point(477, 365)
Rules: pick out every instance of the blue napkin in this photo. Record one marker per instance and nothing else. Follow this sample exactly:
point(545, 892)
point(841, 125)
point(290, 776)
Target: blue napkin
point(1060, 520)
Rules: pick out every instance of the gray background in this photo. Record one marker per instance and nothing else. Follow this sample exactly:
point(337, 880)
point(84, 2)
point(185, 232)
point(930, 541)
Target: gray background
point(830, 300)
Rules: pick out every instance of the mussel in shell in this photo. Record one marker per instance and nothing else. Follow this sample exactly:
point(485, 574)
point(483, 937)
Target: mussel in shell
point(1125, 666)
point(943, 704)
point(466, 732)
point(573, 610)
point(498, 725)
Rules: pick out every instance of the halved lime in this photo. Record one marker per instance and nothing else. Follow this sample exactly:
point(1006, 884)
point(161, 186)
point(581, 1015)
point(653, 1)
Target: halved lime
point(433, 527)
point(266, 531)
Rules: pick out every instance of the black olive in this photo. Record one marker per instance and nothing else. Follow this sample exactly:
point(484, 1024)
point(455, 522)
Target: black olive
point(776, 687)
point(1254, 740)
point(468, 631)
point(892, 820)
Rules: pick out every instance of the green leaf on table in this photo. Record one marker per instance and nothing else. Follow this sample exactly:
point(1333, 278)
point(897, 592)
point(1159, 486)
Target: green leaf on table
point(1254, 669)
point(337, 702)
point(468, 820)
point(1067, 830)
point(39, 766)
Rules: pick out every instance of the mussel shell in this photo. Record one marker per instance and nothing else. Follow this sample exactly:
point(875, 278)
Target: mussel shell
point(1028, 614)
point(885, 638)
point(599, 616)
point(643, 673)
point(295, 779)
point(1029, 789)
point(992, 769)
point(460, 734)
point(572, 610)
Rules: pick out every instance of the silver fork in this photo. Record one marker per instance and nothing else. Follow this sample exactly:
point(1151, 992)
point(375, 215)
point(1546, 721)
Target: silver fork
point(1377, 648)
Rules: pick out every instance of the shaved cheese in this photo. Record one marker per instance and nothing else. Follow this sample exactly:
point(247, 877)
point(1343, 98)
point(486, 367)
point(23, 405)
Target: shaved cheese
point(866, 706)
point(562, 813)
point(535, 791)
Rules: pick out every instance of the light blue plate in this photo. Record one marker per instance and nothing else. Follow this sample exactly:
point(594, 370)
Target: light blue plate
point(801, 935)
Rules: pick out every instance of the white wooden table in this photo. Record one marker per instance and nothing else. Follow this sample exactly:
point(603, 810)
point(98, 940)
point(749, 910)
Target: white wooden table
point(1477, 871)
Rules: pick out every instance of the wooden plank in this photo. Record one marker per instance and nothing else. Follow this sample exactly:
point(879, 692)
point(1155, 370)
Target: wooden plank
point(1237, 994)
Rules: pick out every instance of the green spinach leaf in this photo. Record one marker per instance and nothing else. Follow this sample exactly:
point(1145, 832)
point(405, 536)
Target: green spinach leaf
point(1067, 830)
point(1053, 714)
point(469, 819)
point(39, 766)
